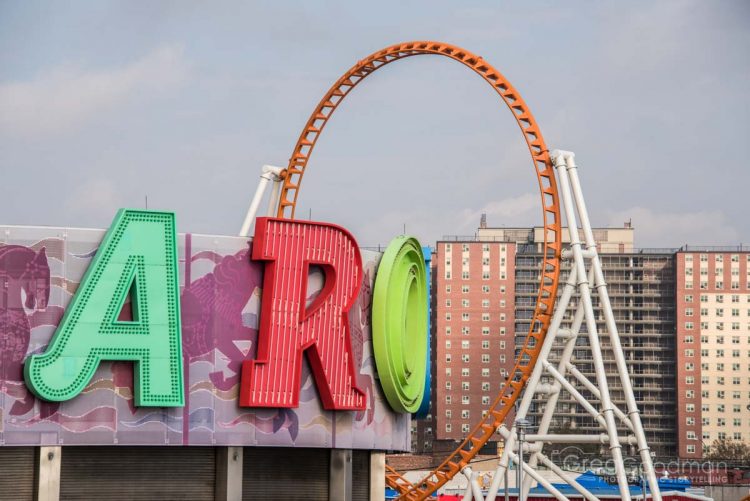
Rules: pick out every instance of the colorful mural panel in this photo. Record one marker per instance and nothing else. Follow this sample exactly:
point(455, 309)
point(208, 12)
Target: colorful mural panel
point(220, 292)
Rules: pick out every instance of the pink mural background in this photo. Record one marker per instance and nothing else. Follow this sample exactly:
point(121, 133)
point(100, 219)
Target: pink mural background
point(220, 289)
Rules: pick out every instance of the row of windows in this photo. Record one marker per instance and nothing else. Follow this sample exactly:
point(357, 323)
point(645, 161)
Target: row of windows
point(704, 285)
point(465, 372)
point(719, 394)
point(465, 344)
point(719, 312)
point(706, 421)
point(485, 276)
point(689, 366)
point(707, 408)
point(466, 316)
point(718, 271)
point(705, 366)
point(719, 380)
point(465, 247)
point(718, 325)
point(466, 330)
point(718, 258)
point(465, 358)
point(719, 298)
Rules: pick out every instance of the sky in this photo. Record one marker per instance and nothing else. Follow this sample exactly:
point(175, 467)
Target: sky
point(104, 104)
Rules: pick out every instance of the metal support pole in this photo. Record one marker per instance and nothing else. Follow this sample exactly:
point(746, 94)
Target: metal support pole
point(622, 369)
point(340, 475)
point(48, 488)
point(228, 474)
point(377, 476)
point(615, 448)
point(270, 173)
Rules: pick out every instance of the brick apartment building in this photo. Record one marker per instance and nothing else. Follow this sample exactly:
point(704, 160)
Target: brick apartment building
point(485, 288)
point(713, 347)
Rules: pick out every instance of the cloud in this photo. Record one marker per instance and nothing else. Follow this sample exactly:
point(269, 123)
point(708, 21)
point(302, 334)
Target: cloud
point(429, 225)
point(67, 97)
point(665, 229)
point(93, 198)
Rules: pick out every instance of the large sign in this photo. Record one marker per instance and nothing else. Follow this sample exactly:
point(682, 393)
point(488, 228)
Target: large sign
point(110, 327)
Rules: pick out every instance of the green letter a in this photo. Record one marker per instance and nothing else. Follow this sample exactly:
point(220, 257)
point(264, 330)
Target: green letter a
point(137, 258)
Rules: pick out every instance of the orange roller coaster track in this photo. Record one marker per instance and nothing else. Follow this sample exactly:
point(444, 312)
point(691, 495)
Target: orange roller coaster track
point(516, 380)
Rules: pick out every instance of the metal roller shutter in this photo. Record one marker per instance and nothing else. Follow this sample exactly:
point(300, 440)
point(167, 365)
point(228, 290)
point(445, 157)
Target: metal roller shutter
point(104, 473)
point(360, 475)
point(285, 473)
point(17, 479)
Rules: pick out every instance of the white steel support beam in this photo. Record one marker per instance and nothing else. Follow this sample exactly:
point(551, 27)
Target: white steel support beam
point(622, 369)
point(585, 278)
point(560, 161)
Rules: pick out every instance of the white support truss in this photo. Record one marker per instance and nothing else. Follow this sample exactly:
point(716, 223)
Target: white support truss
point(585, 277)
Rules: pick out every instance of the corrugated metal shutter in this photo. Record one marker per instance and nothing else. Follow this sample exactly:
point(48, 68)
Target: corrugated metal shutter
point(285, 473)
point(360, 475)
point(138, 473)
point(17, 479)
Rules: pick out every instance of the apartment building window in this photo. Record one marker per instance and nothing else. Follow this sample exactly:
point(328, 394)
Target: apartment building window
point(689, 284)
point(736, 327)
point(735, 258)
point(485, 317)
point(448, 413)
point(704, 326)
point(688, 339)
point(485, 289)
point(464, 303)
point(465, 399)
point(485, 275)
point(689, 257)
point(464, 414)
point(689, 379)
point(485, 358)
point(448, 316)
point(485, 386)
point(485, 331)
point(704, 285)
point(485, 373)
point(485, 345)
point(447, 275)
point(447, 330)
point(464, 275)
point(465, 330)
point(502, 331)
point(447, 303)
point(502, 345)
point(448, 371)
point(704, 298)
point(448, 288)
point(465, 428)
point(465, 358)
point(485, 261)
point(485, 303)
point(691, 449)
point(447, 427)
point(719, 271)
point(465, 371)
point(690, 421)
point(447, 399)
point(735, 286)
point(720, 298)
point(447, 344)
point(502, 303)
point(503, 275)
point(447, 385)
point(688, 298)
point(485, 400)
point(465, 247)
point(502, 317)
point(465, 289)
point(704, 258)
point(735, 298)
point(688, 312)
point(465, 316)
point(689, 325)
point(689, 394)
point(448, 358)
point(689, 353)
point(719, 284)
point(465, 344)
point(705, 379)
point(719, 258)
point(691, 435)
point(704, 311)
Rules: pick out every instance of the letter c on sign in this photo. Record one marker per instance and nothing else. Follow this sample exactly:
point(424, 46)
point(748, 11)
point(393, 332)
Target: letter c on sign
point(399, 323)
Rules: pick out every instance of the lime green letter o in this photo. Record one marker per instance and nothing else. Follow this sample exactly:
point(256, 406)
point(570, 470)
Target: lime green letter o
point(399, 323)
